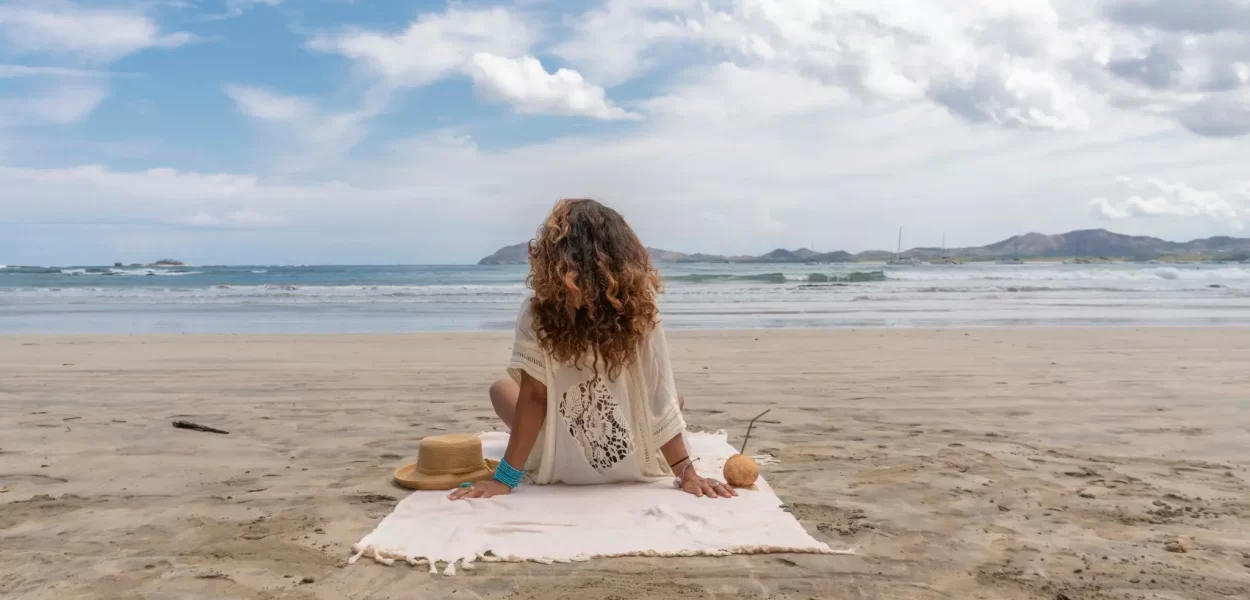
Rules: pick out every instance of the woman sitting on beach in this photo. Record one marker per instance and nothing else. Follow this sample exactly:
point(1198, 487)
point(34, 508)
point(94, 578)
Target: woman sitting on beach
point(591, 398)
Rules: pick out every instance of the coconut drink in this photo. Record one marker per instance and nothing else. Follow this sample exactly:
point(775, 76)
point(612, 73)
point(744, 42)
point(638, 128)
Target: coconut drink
point(741, 471)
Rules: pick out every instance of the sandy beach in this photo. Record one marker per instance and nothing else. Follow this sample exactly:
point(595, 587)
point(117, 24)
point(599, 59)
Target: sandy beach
point(988, 463)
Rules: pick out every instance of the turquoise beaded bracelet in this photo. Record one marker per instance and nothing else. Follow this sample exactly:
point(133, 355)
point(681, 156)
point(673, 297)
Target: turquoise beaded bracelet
point(507, 474)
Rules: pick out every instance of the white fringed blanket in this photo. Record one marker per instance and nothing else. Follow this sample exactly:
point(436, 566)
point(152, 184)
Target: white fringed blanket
point(560, 523)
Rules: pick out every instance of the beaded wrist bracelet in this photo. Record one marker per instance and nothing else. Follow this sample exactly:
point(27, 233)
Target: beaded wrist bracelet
point(507, 474)
point(677, 482)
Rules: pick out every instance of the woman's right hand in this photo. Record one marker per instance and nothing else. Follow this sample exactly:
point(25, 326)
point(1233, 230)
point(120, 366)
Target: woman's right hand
point(481, 489)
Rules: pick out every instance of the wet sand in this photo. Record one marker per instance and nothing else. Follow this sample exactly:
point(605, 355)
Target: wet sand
point(993, 463)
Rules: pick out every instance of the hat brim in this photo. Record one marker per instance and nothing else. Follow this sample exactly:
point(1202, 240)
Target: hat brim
point(407, 476)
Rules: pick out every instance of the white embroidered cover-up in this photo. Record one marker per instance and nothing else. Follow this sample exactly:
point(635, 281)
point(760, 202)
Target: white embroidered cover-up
point(599, 430)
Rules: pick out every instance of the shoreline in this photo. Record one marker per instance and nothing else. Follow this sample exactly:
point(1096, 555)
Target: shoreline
point(992, 462)
point(506, 331)
point(818, 331)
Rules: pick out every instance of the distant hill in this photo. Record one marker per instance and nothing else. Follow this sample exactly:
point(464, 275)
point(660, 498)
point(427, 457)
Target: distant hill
point(1093, 243)
point(780, 256)
point(874, 256)
point(832, 257)
point(519, 255)
point(510, 255)
point(1088, 243)
point(658, 255)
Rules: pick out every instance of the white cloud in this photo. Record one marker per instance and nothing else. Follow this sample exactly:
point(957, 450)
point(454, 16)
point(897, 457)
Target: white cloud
point(1223, 115)
point(150, 184)
point(304, 136)
point(69, 104)
point(1036, 64)
point(807, 160)
point(768, 123)
point(253, 218)
point(64, 29)
point(95, 193)
point(985, 61)
point(235, 8)
point(1157, 198)
point(25, 71)
point(1190, 16)
point(55, 105)
point(63, 38)
point(530, 89)
point(234, 218)
point(616, 42)
point(266, 105)
point(731, 93)
point(199, 219)
point(1017, 98)
point(1184, 61)
point(433, 46)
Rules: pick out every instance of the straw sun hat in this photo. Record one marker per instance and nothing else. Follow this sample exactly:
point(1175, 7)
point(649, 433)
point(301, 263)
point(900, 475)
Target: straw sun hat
point(446, 461)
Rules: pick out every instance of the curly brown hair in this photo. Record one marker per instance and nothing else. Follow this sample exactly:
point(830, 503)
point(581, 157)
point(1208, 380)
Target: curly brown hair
point(594, 287)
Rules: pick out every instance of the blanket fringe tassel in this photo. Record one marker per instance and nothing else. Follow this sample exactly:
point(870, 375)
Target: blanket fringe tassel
point(388, 557)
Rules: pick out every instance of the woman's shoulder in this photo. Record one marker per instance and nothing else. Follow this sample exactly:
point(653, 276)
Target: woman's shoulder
point(654, 339)
point(525, 314)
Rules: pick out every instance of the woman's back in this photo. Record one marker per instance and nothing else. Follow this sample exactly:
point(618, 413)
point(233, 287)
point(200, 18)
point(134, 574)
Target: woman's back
point(591, 398)
point(591, 334)
point(600, 429)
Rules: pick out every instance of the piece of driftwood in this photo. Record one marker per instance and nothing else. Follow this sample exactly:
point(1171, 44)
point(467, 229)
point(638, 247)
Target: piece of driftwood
point(198, 427)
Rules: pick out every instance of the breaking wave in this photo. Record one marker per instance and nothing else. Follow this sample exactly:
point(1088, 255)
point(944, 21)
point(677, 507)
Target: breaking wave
point(779, 278)
point(97, 271)
point(1046, 274)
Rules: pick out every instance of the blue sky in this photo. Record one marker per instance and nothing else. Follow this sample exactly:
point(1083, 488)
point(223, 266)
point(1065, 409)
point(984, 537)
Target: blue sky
point(314, 131)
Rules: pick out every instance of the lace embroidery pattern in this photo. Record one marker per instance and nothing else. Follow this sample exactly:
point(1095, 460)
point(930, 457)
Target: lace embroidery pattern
point(595, 420)
point(669, 426)
point(526, 357)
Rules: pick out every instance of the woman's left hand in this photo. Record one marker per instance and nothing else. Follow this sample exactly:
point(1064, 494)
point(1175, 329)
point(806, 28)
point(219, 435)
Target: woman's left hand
point(704, 487)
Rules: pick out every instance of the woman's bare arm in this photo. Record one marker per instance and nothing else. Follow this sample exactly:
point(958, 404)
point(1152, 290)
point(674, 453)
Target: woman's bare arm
point(531, 412)
point(676, 455)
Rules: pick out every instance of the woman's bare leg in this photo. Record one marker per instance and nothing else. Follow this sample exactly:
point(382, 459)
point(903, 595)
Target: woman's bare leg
point(503, 396)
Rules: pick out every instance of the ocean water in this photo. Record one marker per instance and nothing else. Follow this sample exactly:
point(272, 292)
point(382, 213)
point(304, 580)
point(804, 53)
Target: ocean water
point(368, 299)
